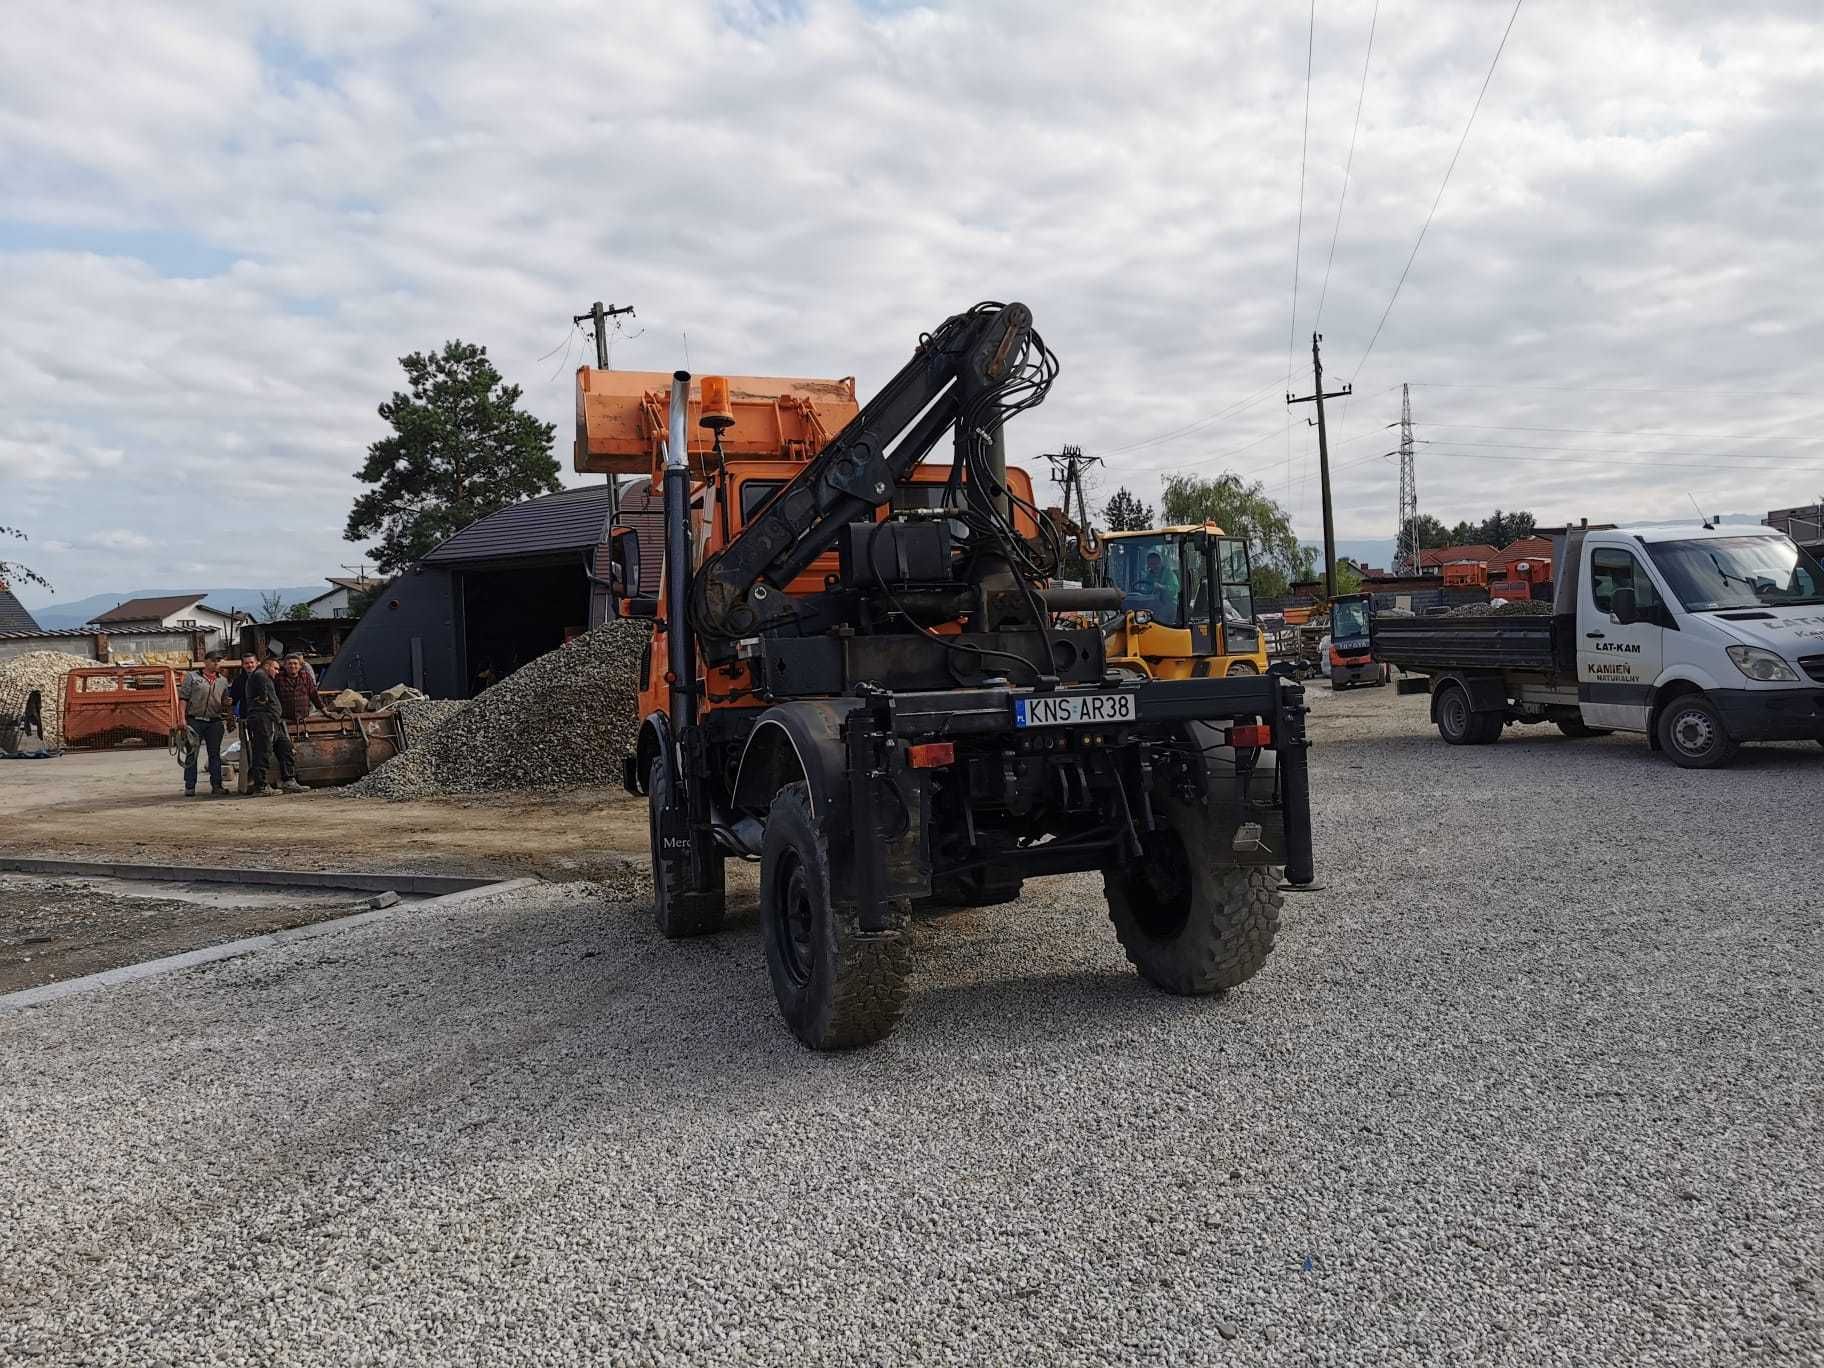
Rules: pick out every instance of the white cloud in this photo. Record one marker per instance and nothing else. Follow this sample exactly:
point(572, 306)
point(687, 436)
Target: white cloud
point(222, 269)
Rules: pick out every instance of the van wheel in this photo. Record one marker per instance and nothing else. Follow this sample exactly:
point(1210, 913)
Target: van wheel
point(837, 987)
point(1190, 925)
point(1579, 731)
point(1691, 732)
point(1462, 725)
point(677, 911)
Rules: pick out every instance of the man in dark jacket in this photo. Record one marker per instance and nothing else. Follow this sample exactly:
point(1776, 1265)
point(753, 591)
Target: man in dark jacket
point(265, 718)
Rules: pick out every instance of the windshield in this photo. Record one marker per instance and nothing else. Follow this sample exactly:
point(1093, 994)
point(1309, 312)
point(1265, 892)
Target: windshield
point(1738, 572)
point(1146, 571)
point(1349, 619)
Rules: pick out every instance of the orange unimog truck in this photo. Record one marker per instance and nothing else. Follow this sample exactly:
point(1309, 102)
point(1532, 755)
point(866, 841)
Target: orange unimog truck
point(858, 675)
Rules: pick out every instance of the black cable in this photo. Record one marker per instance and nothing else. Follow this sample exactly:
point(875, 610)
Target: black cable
point(1439, 198)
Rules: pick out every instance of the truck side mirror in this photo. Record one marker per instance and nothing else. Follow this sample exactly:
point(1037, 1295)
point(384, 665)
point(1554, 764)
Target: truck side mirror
point(1623, 607)
point(625, 544)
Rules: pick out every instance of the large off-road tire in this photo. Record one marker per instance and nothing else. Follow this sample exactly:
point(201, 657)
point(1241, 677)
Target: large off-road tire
point(677, 916)
point(1462, 725)
point(1692, 733)
point(1189, 925)
point(1581, 731)
point(1240, 668)
point(837, 987)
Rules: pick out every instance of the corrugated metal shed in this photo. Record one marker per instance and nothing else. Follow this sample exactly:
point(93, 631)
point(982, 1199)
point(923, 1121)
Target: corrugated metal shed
point(575, 520)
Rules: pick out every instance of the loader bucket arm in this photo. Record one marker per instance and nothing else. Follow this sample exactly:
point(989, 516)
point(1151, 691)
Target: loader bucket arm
point(739, 591)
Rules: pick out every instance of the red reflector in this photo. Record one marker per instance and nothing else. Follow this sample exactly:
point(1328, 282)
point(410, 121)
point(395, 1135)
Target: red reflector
point(1258, 734)
point(931, 755)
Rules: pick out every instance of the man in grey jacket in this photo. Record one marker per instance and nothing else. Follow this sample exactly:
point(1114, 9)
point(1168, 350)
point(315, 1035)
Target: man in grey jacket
point(205, 696)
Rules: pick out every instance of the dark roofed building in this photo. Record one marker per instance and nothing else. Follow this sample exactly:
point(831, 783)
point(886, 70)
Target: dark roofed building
point(504, 590)
point(13, 617)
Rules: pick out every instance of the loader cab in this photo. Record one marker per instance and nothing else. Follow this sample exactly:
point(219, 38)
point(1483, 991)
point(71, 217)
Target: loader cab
point(1187, 604)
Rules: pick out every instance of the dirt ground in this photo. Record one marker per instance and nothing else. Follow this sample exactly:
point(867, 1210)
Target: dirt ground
point(128, 805)
point(55, 929)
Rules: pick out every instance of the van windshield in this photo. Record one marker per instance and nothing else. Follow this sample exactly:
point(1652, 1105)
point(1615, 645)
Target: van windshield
point(1715, 573)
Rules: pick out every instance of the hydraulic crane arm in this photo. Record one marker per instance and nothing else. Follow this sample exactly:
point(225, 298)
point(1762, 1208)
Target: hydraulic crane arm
point(739, 592)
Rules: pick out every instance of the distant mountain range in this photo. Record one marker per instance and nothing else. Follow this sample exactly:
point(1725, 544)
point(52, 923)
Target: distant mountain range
point(75, 613)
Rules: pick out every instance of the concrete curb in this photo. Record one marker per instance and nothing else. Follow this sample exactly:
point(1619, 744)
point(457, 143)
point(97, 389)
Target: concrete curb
point(190, 959)
point(360, 881)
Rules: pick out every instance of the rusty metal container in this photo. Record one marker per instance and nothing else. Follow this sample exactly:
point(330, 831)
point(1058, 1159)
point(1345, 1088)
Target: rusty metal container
point(335, 750)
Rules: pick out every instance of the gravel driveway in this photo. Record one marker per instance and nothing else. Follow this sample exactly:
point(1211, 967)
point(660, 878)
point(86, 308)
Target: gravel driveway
point(1534, 1079)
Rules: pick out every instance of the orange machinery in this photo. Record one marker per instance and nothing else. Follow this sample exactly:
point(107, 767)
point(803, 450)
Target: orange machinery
point(104, 705)
point(1465, 574)
point(769, 428)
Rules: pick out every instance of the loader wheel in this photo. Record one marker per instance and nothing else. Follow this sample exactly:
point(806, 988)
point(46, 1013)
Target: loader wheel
point(1691, 732)
point(1242, 667)
point(1581, 731)
point(677, 913)
point(837, 987)
point(1191, 926)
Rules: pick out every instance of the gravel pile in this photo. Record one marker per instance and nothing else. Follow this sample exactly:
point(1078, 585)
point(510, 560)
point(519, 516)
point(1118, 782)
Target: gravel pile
point(1509, 608)
point(565, 719)
point(1551, 1099)
point(44, 671)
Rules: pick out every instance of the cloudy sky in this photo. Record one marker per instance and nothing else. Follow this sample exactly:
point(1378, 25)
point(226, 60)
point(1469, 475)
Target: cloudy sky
point(223, 222)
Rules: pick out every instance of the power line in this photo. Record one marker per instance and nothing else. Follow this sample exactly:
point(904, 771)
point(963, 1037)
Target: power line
point(1348, 162)
point(1246, 402)
point(1609, 451)
point(1636, 389)
point(1618, 432)
point(1439, 198)
point(1298, 239)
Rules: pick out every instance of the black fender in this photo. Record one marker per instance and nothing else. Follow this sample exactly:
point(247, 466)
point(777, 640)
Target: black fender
point(801, 739)
point(1487, 693)
point(655, 739)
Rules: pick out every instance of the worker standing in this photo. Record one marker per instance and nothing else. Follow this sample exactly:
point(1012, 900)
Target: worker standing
point(267, 740)
point(297, 688)
point(205, 695)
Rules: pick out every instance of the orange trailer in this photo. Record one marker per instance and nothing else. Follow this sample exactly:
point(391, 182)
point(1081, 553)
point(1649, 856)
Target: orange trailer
point(108, 704)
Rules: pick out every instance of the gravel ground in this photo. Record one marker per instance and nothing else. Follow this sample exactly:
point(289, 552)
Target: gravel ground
point(564, 719)
point(1534, 1079)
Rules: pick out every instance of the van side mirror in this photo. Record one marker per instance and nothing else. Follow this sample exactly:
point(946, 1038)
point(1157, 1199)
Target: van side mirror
point(1623, 607)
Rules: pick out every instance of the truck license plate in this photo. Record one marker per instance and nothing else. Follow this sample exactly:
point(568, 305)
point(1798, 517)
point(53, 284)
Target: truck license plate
point(1074, 710)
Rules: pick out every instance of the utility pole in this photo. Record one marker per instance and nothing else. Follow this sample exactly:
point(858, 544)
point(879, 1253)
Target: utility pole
point(598, 317)
point(1067, 467)
point(1317, 396)
point(1407, 537)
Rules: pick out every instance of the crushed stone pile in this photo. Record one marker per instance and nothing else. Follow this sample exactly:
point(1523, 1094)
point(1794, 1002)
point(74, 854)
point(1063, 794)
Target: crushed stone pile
point(565, 719)
point(43, 671)
point(1506, 608)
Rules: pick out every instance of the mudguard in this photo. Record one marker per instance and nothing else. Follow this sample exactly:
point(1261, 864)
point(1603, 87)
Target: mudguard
point(800, 739)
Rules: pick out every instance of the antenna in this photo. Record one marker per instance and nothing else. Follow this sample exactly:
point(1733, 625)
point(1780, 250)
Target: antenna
point(1702, 517)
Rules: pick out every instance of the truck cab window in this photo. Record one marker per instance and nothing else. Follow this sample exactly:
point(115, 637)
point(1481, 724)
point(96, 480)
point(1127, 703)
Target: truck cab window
point(1612, 568)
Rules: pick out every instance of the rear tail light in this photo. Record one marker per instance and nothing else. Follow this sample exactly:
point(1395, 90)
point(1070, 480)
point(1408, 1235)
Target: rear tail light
point(1256, 734)
point(931, 755)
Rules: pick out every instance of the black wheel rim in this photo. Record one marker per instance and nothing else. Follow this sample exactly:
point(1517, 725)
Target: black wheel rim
point(1162, 886)
point(794, 920)
point(1455, 713)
